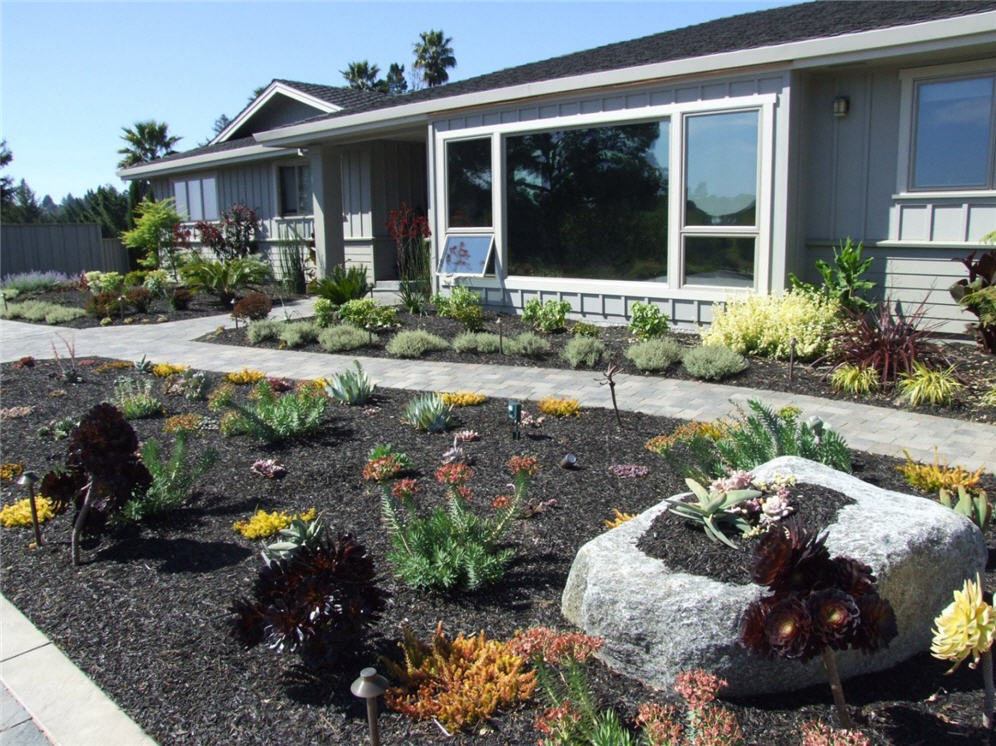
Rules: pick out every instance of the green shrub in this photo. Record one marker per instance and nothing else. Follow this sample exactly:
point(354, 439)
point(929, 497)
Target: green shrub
point(105, 304)
point(325, 312)
point(765, 324)
point(428, 412)
point(485, 342)
point(271, 418)
point(172, 478)
point(712, 362)
point(527, 344)
point(586, 352)
point(367, 313)
point(584, 329)
point(988, 398)
point(853, 379)
point(135, 399)
point(225, 278)
point(135, 278)
point(842, 281)
point(298, 333)
point(548, 317)
point(413, 343)
point(342, 284)
point(762, 435)
point(38, 310)
point(342, 337)
point(350, 387)
point(654, 354)
point(647, 321)
point(462, 304)
point(928, 386)
point(104, 282)
point(259, 331)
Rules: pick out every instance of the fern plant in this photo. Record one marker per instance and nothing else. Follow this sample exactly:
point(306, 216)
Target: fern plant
point(350, 387)
point(172, 478)
point(763, 435)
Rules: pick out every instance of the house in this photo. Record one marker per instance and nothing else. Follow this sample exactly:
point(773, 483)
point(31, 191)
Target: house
point(680, 168)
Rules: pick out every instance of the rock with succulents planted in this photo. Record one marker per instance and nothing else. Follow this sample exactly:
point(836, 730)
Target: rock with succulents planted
point(658, 621)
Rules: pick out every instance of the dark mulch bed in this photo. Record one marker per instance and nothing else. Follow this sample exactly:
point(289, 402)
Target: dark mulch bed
point(976, 369)
point(201, 304)
point(680, 543)
point(145, 614)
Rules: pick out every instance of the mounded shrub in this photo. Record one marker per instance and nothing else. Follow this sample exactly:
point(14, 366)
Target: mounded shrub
point(139, 298)
point(254, 306)
point(413, 343)
point(259, 331)
point(654, 354)
point(342, 337)
point(39, 310)
point(298, 333)
point(527, 344)
point(105, 304)
point(713, 362)
point(766, 324)
point(584, 352)
point(477, 342)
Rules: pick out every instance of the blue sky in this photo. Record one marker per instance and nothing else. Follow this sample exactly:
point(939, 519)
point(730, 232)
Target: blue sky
point(72, 74)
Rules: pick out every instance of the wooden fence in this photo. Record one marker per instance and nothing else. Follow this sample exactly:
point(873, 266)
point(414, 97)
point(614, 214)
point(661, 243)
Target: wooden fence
point(59, 247)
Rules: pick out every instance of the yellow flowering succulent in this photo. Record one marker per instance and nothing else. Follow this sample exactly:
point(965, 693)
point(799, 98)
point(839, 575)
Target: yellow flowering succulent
point(245, 377)
point(463, 398)
point(619, 519)
point(165, 370)
point(965, 628)
point(263, 525)
point(19, 513)
point(559, 407)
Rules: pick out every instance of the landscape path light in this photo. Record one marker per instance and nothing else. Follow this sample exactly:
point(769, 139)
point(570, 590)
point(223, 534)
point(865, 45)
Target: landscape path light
point(369, 686)
point(29, 479)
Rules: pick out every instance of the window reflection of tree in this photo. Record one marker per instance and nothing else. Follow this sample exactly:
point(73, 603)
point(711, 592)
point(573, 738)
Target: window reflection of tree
point(588, 203)
point(469, 177)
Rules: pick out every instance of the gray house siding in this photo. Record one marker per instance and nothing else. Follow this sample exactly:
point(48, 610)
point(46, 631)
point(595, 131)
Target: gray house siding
point(686, 306)
point(852, 168)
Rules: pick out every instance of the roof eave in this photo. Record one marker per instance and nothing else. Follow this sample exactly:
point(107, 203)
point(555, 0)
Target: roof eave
point(864, 45)
point(275, 87)
point(203, 160)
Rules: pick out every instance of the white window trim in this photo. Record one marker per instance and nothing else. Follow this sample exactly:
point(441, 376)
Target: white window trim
point(907, 94)
point(763, 103)
point(186, 178)
point(275, 175)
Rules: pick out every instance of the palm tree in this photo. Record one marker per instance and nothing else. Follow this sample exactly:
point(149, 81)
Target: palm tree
point(361, 75)
point(147, 141)
point(395, 81)
point(433, 54)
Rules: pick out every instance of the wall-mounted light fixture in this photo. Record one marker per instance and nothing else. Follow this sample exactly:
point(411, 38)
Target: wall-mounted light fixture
point(302, 152)
point(841, 106)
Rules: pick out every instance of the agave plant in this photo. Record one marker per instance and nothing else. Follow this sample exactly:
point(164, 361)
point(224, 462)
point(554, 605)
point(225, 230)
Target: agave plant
point(300, 534)
point(974, 506)
point(428, 412)
point(350, 387)
point(712, 510)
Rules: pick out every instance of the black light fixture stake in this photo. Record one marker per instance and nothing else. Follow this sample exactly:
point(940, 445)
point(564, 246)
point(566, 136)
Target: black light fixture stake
point(369, 686)
point(792, 343)
point(501, 348)
point(28, 479)
point(515, 415)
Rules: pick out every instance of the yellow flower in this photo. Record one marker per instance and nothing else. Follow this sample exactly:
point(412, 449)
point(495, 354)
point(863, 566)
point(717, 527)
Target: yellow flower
point(966, 627)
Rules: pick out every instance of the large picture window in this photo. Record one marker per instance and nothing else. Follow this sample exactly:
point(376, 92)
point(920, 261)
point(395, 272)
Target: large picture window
point(468, 173)
point(295, 190)
point(197, 199)
point(719, 235)
point(589, 203)
point(953, 134)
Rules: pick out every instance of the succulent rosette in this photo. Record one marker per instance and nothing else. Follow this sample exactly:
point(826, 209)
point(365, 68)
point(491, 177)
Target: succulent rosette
point(836, 616)
point(788, 629)
point(789, 559)
point(965, 628)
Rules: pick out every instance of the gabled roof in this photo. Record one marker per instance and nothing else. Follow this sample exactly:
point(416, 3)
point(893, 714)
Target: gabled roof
point(811, 20)
point(321, 99)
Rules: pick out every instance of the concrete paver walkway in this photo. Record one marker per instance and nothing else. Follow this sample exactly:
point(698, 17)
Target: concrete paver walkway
point(873, 429)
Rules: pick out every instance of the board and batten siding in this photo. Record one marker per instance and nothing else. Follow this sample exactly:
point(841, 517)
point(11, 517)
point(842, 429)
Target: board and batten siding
point(849, 169)
point(69, 248)
point(687, 306)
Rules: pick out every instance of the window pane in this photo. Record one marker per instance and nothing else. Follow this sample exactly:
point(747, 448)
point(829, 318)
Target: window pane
point(180, 194)
point(952, 133)
point(724, 261)
point(468, 171)
point(288, 190)
point(721, 169)
point(304, 206)
point(589, 202)
point(195, 204)
point(210, 199)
